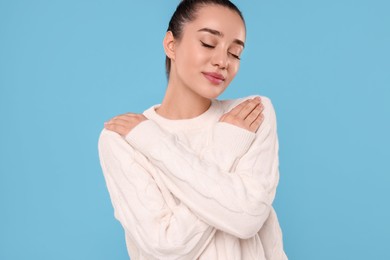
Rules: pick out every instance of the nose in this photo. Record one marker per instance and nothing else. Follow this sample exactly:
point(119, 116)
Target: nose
point(220, 59)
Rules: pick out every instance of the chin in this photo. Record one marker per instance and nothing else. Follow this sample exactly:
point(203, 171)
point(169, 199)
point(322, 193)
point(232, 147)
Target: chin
point(210, 91)
point(212, 95)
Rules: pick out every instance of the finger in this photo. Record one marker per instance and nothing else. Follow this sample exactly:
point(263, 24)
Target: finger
point(117, 128)
point(222, 117)
point(245, 111)
point(257, 123)
point(238, 108)
point(126, 115)
point(120, 121)
point(123, 117)
point(254, 114)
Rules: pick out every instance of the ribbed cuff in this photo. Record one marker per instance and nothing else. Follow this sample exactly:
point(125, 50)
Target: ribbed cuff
point(145, 136)
point(232, 139)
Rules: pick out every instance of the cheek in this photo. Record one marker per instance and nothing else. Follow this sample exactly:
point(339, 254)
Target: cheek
point(199, 55)
point(234, 69)
point(188, 56)
point(194, 59)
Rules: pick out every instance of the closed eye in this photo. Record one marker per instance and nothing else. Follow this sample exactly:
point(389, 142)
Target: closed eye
point(235, 56)
point(212, 47)
point(207, 45)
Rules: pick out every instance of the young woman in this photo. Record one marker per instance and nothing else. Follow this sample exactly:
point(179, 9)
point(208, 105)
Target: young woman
point(194, 177)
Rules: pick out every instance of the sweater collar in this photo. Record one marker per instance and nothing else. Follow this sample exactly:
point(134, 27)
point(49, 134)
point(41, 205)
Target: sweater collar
point(211, 115)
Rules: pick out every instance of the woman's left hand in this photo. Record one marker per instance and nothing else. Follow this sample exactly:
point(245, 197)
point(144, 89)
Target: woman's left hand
point(123, 124)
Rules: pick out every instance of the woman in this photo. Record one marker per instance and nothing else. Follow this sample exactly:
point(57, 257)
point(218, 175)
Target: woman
point(194, 177)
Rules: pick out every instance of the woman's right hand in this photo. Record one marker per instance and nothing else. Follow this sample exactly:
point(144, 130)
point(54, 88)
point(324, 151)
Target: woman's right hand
point(123, 124)
point(247, 115)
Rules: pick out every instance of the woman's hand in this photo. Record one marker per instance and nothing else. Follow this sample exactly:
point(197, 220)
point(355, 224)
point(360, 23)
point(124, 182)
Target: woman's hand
point(247, 115)
point(123, 124)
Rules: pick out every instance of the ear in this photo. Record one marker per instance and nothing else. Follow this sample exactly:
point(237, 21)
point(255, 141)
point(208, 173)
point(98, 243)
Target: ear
point(169, 45)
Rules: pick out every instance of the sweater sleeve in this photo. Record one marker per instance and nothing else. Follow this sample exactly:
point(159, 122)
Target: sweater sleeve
point(232, 185)
point(159, 225)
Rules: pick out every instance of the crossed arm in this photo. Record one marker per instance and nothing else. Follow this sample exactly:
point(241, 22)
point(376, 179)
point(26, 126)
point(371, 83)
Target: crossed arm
point(231, 189)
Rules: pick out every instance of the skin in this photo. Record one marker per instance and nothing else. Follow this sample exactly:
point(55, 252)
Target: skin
point(212, 43)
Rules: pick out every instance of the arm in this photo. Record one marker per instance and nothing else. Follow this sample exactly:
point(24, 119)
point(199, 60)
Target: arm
point(235, 199)
point(159, 225)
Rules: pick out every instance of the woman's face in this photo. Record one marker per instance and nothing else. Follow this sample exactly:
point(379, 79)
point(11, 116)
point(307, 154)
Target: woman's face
point(206, 58)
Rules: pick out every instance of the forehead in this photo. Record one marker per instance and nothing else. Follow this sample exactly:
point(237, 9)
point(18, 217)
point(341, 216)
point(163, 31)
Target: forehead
point(219, 18)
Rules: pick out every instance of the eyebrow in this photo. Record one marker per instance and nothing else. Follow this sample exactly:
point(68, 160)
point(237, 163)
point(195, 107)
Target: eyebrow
point(220, 34)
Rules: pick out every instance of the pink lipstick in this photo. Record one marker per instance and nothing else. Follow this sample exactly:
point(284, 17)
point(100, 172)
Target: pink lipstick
point(214, 78)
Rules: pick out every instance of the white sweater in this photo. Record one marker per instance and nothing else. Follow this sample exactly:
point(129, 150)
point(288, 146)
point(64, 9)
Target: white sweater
point(196, 188)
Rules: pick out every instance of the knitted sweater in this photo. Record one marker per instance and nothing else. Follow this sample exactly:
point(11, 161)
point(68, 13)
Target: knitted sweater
point(195, 188)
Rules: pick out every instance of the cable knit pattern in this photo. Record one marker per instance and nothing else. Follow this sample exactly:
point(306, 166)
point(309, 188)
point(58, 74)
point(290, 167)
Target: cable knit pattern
point(196, 188)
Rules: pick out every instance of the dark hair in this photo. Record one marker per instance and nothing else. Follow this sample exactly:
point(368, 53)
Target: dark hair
point(186, 12)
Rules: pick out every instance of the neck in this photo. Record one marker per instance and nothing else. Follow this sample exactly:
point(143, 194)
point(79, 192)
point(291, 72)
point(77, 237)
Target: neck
point(182, 103)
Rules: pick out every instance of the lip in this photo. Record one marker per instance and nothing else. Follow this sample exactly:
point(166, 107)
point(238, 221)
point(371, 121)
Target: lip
point(214, 77)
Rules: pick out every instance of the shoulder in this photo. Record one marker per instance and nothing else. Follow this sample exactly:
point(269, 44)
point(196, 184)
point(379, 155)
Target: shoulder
point(111, 141)
point(108, 136)
point(229, 104)
point(270, 120)
point(113, 151)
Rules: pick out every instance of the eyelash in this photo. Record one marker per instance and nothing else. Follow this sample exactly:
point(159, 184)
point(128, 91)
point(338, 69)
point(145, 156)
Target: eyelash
point(212, 47)
point(207, 45)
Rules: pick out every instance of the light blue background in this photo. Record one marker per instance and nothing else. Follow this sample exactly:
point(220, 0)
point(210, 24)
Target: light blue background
point(67, 66)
